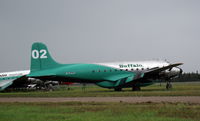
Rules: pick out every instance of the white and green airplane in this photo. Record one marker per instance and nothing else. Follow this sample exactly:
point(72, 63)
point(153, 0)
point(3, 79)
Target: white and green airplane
point(115, 75)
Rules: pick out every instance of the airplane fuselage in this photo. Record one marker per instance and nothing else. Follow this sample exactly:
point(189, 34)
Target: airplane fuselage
point(99, 72)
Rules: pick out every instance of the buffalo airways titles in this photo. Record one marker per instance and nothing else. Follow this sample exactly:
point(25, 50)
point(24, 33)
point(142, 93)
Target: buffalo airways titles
point(130, 65)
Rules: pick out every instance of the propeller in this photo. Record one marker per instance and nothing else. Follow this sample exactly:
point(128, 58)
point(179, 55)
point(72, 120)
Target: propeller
point(170, 69)
point(180, 73)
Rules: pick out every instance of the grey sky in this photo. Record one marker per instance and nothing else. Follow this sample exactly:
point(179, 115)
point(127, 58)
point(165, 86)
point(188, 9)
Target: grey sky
point(100, 31)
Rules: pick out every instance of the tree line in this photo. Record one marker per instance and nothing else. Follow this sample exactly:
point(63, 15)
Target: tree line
point(188, 77)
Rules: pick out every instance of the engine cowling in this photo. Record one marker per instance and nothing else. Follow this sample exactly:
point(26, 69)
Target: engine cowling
point(174, 72)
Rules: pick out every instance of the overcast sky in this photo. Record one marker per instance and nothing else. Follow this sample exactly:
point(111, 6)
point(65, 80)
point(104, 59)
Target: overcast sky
point(90, 31)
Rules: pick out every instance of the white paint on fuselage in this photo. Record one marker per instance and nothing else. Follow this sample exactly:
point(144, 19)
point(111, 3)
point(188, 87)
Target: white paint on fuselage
point(136, 65)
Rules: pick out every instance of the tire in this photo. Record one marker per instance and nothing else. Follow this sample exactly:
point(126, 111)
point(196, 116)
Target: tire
point(50, 87)
point(136, 88)
point(118, 89)
point(168, 86)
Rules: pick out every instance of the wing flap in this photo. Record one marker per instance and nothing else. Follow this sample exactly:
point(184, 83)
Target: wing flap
point(116, 77)
point(119, 80)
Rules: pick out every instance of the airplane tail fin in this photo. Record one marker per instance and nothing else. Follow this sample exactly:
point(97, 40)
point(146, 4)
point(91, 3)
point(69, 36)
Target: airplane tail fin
point(40, 58)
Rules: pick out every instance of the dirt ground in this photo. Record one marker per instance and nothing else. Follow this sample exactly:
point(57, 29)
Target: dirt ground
point(153, 99)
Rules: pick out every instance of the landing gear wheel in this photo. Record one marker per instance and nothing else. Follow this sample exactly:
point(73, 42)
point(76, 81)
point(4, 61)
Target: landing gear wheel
point(136, 88)
point(50, 87)
point(118, 89)
point(168, 86)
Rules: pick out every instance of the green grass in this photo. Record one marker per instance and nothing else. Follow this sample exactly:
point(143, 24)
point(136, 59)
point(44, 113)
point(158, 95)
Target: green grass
point(179, 89)
point(76, 111)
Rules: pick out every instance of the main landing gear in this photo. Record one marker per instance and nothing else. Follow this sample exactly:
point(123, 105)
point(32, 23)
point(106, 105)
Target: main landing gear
point(118, 89)
point(168, 85)
point(136, 88)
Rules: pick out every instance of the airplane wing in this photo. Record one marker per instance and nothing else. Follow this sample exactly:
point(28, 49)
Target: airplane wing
point(11, 82)
point(157, 70)
point(5, 83)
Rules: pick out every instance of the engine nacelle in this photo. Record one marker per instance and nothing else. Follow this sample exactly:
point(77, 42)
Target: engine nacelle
point(173, 72)
point(34, 80)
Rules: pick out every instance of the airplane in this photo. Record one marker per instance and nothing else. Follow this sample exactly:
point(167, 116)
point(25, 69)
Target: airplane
point(18, 80)
point(12, 78)
point(115, 75)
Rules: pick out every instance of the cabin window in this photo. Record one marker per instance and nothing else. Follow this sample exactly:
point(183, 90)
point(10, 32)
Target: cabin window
point(126, 69)
point(137, 69)
point(121, 70)
point(142, 68)
point(132, 69)
point(104, 70)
